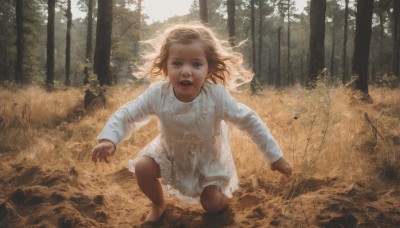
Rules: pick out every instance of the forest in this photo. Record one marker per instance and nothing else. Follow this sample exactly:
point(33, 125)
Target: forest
point(283, 45)
point(326, 82)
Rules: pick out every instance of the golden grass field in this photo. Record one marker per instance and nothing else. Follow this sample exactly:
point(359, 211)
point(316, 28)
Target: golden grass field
point(345, 153)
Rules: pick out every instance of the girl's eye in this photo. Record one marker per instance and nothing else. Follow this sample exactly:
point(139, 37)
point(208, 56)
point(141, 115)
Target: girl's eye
point(176, 63)
point(197, 65)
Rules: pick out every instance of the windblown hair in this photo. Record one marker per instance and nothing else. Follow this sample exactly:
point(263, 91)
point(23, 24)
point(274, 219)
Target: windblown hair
point(225, 65)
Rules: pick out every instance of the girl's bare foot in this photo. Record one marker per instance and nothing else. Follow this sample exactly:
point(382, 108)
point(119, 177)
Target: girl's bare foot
point(155, 213)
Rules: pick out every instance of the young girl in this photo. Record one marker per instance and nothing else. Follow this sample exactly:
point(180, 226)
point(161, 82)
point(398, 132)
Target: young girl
point(191, 155)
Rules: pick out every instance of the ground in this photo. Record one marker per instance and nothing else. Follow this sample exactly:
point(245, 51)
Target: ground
point(345, 155)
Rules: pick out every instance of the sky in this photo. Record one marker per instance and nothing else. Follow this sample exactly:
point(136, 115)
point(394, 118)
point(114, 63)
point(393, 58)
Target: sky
point(160, 10)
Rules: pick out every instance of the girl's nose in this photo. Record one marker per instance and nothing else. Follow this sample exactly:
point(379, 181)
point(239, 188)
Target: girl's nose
point(186, 71)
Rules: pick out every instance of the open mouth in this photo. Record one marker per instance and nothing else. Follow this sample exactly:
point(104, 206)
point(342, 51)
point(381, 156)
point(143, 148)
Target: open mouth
point(185, 83)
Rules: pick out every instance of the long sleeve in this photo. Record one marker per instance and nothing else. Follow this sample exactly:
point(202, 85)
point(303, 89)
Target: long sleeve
point(247, 120)
point(131, 116)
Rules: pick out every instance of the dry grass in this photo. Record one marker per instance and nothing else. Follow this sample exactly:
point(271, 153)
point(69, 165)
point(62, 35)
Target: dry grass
point(323, 133)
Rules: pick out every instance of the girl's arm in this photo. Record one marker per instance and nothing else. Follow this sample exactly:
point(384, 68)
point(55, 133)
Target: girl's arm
point(131, 116)
point(248, 120)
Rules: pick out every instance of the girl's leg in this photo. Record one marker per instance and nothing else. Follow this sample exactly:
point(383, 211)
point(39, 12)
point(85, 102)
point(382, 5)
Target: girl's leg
point(213, 200)
point(147, 171)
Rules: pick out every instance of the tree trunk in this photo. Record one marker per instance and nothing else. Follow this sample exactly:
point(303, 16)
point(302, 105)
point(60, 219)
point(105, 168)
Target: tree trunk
point(103, 42)
point(396, 39)
point(346, 24)
point(51, 4)
point(68, 45)
point(19, 67)
point(5, 52)
point(289, 67)
point(253, 36)
point(302, 68)
point(260, 37)
point(373, 65)
point(253, 48)
point(231, 21)
point(278, 68)
point(89, 35)
point(317, 41)
point(137, 28)
point(4, 29)
point(203, 11)
point(270, 75)
point(381, 35)
point(332, 71)
point(362, 43)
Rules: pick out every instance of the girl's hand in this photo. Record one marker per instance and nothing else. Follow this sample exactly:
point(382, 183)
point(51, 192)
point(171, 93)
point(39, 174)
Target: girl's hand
point(283, 166)
point(103, 150)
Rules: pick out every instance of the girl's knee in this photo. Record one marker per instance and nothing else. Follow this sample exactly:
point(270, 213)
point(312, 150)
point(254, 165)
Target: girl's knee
point(213, 200)
point(148, 167)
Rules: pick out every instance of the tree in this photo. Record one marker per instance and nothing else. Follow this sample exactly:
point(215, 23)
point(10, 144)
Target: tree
point(381, 30)
point(379, 40)
point(203, 11)
point(89, 34)
point(333, 15)
point(137, 27)
point(281, 9)
point(278, 74)
point(125, 39)
point(362, 43)
point(289, 73)
point(19, 67)
point(255, 82)
point(34, 52)
point(344, 59)
point(231, 21)
point(51, 4)
point(396, 38)
point(264, 65)
point(68, 44)
point(253, 36)
point(260, 37)
point(103, 41)
point(317, 41)
point(6, 23)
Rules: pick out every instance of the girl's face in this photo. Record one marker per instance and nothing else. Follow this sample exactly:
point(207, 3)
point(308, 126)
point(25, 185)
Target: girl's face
point(187, 69)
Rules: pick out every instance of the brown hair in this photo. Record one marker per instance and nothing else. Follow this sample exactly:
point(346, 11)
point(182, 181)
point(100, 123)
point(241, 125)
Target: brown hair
point(225, 65)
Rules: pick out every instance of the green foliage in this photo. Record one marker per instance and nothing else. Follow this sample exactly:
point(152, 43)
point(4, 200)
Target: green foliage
point(33, 28)
point(9, 84)
point(389, 80)
point(94, 84)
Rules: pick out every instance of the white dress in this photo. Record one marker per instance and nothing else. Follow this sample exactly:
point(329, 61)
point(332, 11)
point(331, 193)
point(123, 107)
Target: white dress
point(192, 148)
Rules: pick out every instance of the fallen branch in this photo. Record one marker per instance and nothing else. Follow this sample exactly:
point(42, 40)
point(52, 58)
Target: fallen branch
point(374, 129)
